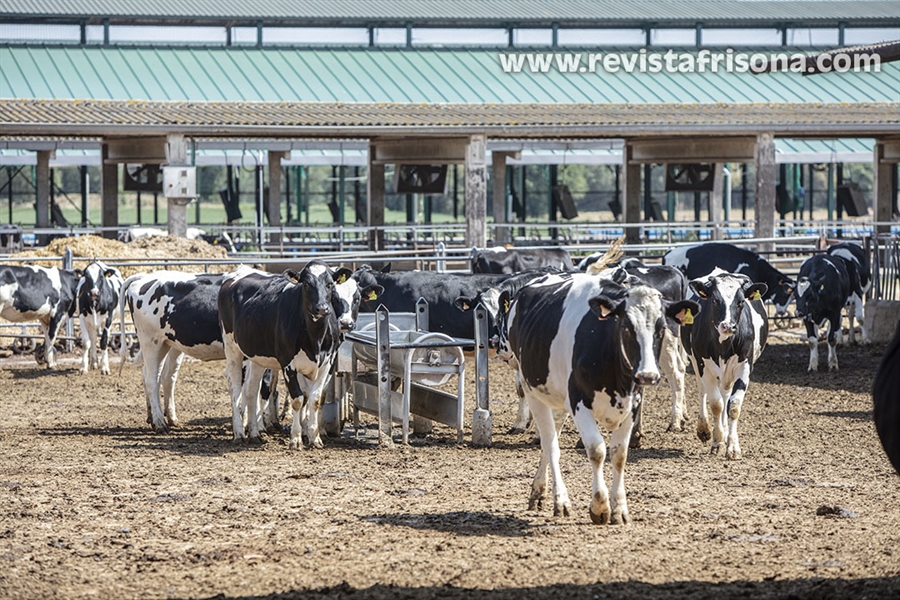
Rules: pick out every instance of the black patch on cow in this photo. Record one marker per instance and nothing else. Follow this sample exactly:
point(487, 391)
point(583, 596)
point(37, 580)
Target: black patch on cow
point(192, 311)
point(515, 260)
point(829, 288)
point(536, 323)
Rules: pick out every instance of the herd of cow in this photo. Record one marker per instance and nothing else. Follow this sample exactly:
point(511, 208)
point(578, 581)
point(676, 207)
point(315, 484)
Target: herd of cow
point(583, 339)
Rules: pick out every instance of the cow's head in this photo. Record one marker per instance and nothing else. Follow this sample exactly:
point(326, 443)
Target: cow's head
point(348, 295)
point(641, 313)
point(808, 295)
point(317, 287)
point(782, 294)
point(490, 299)
point(93, 281)
point(724, 296)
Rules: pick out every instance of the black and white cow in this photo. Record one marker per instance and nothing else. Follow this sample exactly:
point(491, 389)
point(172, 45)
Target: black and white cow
point(502, 260)
point(857, 263)
point(822, 291)
point(586, 344)
point(285, 323)
point(886, 396)
point(176, 314)
point(724, 342)
point(97, 296)
point(44, 294)
point(402, 289)
point(698, 261)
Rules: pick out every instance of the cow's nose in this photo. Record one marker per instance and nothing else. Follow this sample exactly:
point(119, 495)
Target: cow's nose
point(647, 378)
point(349, 326)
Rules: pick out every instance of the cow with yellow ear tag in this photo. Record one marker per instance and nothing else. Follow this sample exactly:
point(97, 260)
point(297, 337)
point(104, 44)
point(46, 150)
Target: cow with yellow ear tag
point(822, 291)
point(724, 342)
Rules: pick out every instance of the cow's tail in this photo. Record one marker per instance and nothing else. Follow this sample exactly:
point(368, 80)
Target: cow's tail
point(123, 291)
point(614, 253)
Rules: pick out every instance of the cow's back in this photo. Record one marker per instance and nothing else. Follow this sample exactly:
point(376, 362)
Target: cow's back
point(35, 292)
point(886, 396)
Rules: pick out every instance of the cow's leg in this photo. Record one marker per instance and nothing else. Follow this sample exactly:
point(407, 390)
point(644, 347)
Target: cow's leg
point(671, 364)
point(297, 400)
point(856, 310)
point(738, 390)
point(812, 337)
point(154, 357)
point(167, 378)
point(234, 359)
point(250, 392)
point(595, 447)
point(618, 454)
point(703, 429)
point(269, 397)
point(314, 400)
point(523, 416)
point(637, 431)
point(104, 346)
point(543, 419)
point(51, 330)
point(86, 343)
point(834, 333)
point(717, 408)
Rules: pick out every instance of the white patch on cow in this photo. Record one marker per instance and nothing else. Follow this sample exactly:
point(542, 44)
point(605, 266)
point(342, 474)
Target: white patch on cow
point(243, 271)
point(346, 291)
point(498, 249)
point(644, 307)
point(643, 270)
point(758, 323)
point(802, 286)
point(317, 270)
point(845, 254)
point(677, 257)
point(741, 266)
point(491, 301)
point(728, 287)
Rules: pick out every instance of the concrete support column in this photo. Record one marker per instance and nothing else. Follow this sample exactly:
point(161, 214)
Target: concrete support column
point(109, 193)
point(631, 195)
point(498, 182)
point(176, 216)
point(42, 176)
point(375, 197)
point(715, 201)
point(882, 188)
point(765, 189)
point(476, 192)
point(275, 179)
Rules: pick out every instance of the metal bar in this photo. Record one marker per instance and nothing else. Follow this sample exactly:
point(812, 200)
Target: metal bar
point(383, 341)
point(481, 417)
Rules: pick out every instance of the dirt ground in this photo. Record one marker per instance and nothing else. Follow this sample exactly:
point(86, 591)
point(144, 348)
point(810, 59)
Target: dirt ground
point(95, 505)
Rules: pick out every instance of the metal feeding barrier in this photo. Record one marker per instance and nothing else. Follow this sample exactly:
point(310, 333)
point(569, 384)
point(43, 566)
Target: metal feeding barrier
point(405, 353)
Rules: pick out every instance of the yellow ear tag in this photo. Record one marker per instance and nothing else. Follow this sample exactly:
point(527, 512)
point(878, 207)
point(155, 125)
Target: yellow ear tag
point(756, 295)
point(822, 288)
point(506, 306)
point(688, 318)
point(342, 279)
point(372, 296)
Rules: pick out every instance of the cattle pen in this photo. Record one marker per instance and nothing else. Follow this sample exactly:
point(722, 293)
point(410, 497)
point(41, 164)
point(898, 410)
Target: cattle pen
point(454, 299)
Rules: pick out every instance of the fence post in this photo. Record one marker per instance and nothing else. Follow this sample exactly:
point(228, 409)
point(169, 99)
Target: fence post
point(481, 417)
point(383, 342)
point(421, 425)
point(441, 263)
point(68, 263)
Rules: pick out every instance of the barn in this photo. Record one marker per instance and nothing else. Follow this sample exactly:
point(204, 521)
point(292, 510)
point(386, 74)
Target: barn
point(309, 139)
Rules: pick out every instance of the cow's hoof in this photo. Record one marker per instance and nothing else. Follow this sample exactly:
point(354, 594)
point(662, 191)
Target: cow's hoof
point(562, 508)
point(238, 439)
point(317, 445)
point(161, 428)
point(258, 440)
point(716, 448)
point(536, 501)
point(174, 423)
point(619, 517)
point(703, 432)
point(635, 441)
point(676, 426)
point(599, 519)
point(733, 454)
point(812, 369)
point(515, 431)
point(296, 443)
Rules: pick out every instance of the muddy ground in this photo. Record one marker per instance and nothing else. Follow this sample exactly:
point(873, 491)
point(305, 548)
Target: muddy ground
point(95, 505)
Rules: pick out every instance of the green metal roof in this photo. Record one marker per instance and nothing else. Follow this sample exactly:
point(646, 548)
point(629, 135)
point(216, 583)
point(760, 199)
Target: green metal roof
point(443, 12)
point(391, 75)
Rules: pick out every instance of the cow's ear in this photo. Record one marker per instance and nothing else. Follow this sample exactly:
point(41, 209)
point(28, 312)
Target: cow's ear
point(342, 275)
point(788, 289)
point(701, 289)
point(465, 304)
point(605, 307)
point(292, 276)
point(386, 268)
point(504, 302)
point(109, 272)
point(79, 273)
point(371, 293)
point(755, 291)
point(619, 275)
point(683, 312)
